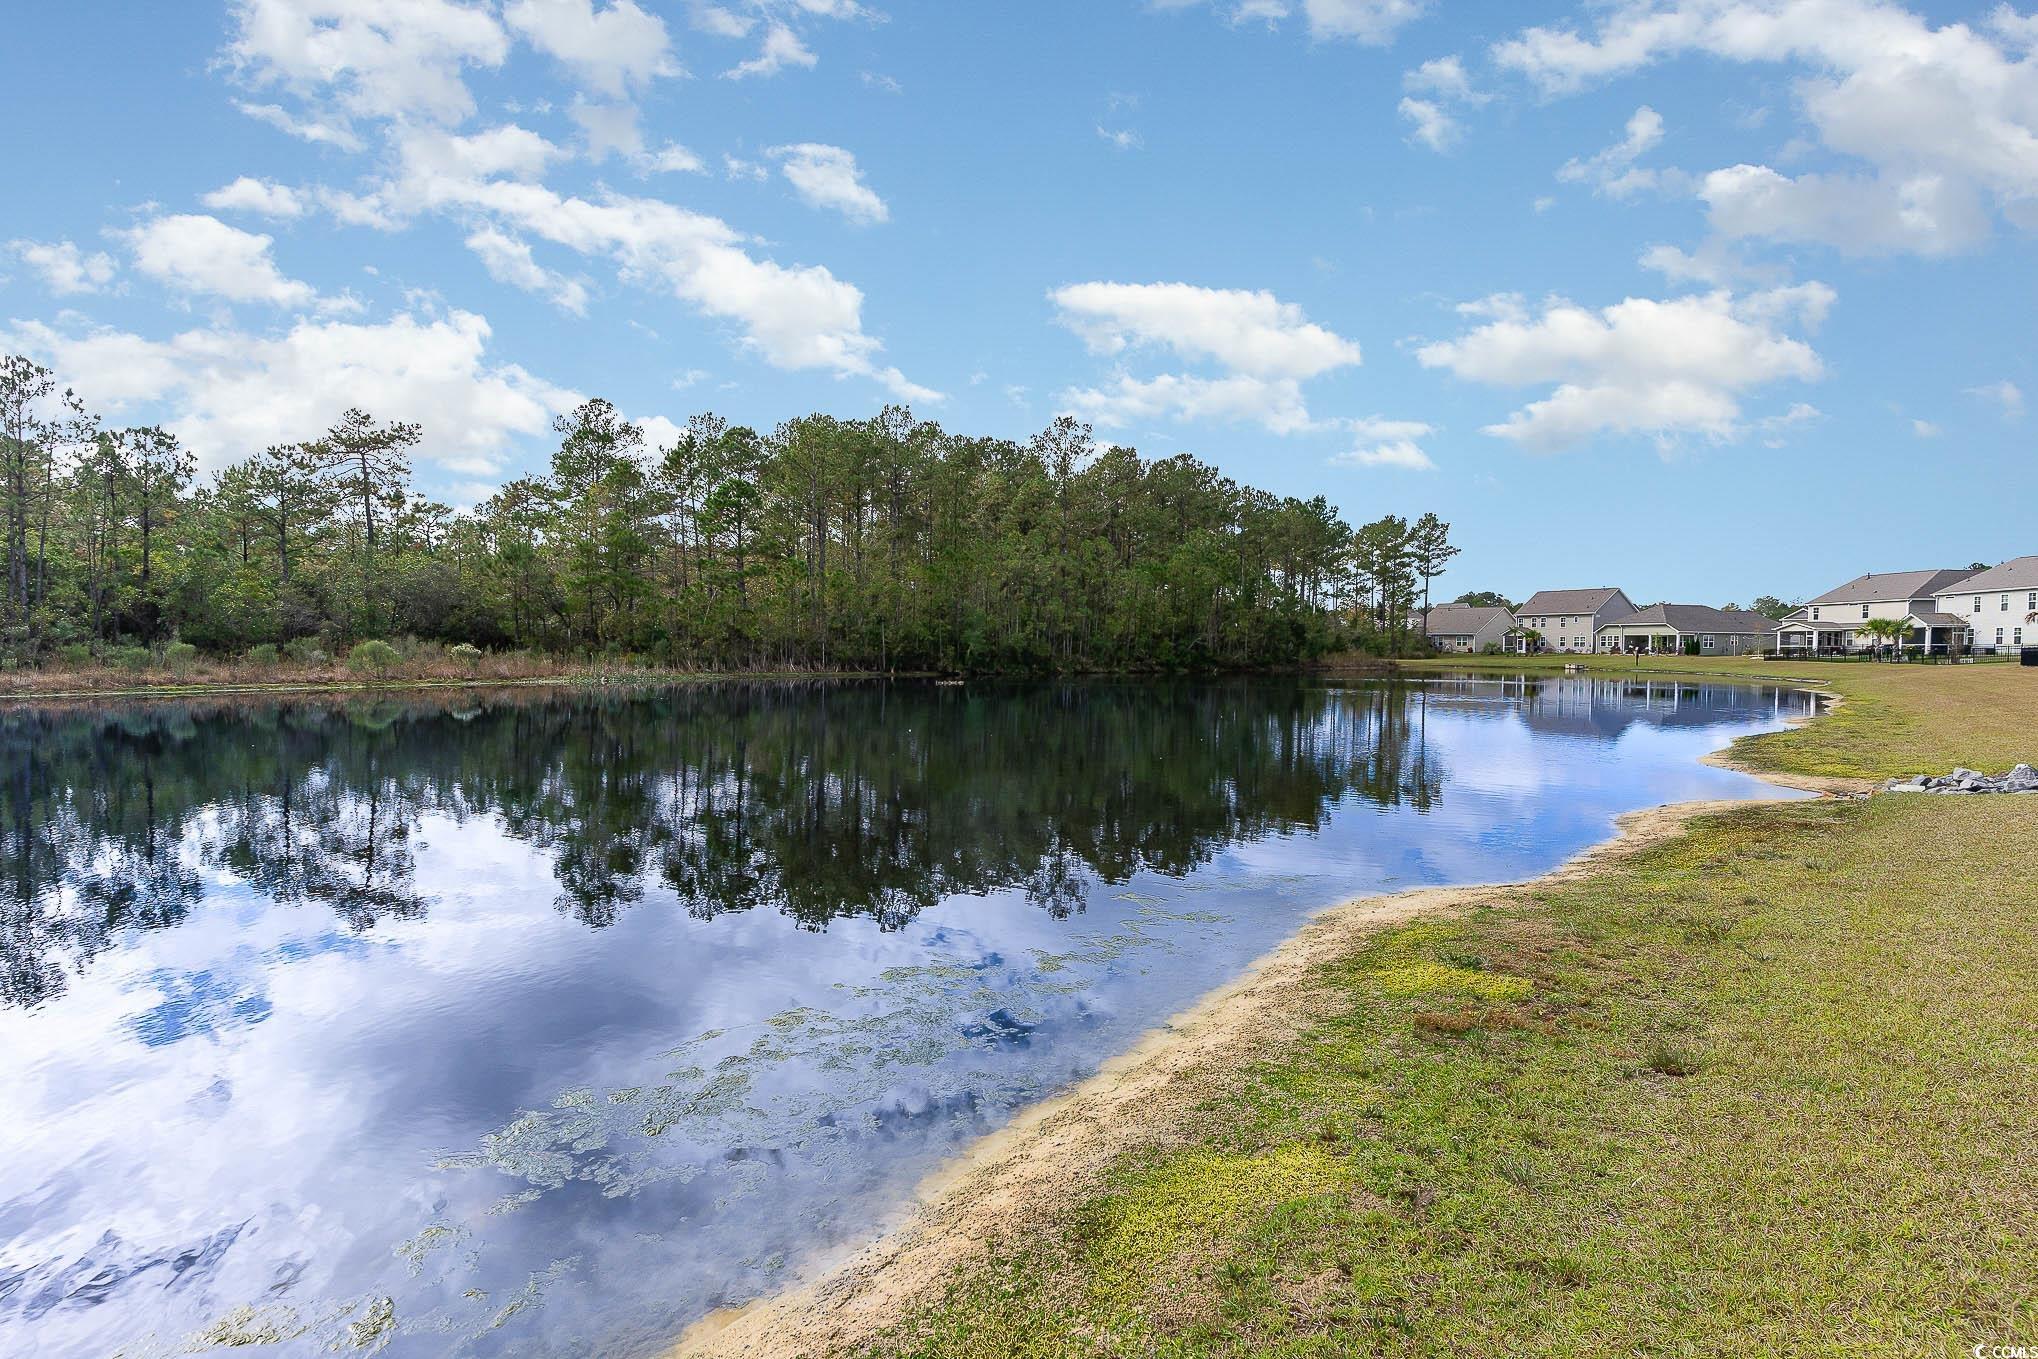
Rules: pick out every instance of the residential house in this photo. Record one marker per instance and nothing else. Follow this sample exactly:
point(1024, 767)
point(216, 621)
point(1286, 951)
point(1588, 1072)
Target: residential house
point(1465, 627)
point(1832, 622)
point(1998, 607)
point(1569, 620)
point(1688, 629)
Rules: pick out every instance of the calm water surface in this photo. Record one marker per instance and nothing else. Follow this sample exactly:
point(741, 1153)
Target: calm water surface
point(544, 1024)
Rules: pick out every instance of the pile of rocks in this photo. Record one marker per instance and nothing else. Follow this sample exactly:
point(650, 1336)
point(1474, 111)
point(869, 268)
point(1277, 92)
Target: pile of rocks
point(2022, 779)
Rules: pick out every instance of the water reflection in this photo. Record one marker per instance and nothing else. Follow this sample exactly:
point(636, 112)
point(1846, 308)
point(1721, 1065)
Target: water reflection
point(545, 1022)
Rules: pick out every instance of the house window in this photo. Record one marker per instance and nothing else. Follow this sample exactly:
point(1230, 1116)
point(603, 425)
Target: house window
point(1999, 636)
point(1815, 615)
point(1864, 611)
point(1707, 642)
point(2005, 606)
point(2031, 600)
point(1977, 605)
point(2020, 637)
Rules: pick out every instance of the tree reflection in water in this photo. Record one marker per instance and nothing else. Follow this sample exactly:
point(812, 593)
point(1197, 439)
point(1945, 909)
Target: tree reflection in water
point(816, 800)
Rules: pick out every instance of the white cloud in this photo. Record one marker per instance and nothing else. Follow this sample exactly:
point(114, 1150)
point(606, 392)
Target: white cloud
point(227, 393)
point(1405, 454)
point(373, 58)
point(194, 253)
point(64, 268)
point(1926, 214)
point(1434, 90)
point(1121, 139)
point(1613, 171)
point(262, 197)
point(877, 80)
point(608, 129)
point(2005, 394)
point(827, 177)
point(673, 159)
point(1925, 429)
point(1642, 366)
point(614, 50)
point(1379, 442)
point(794, 317)
point(1371, 22)
point(509, 260)
point(503, 150)
point(1444, 77)
point(318, 131)
point(721, 21)
point(782, 48)
point(1267, 348)
point(1274, 402)
point(1944, 121)
point(1434, 128)
point(1247, 332)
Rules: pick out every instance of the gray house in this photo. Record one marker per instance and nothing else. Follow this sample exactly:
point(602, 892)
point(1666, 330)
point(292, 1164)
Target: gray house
point(1997, 608)
point(1463, 627)
point(1569, 620)
point(1689, 629)
point(1832, 622)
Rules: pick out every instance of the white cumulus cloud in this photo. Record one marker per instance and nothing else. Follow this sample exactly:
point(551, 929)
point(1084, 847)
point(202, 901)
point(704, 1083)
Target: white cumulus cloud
point(1937, 127)
point(228, 393)
point(613, 49)
point(1662, 368)
point(827, 177)
point(64, 268)
point(1266, 347)
point(197, 254)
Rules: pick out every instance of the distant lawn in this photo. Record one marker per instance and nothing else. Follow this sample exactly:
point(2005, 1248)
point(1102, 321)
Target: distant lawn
point(1770, 1087)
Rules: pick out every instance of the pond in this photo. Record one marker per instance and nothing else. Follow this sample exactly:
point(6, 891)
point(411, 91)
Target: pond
point(545, 1022)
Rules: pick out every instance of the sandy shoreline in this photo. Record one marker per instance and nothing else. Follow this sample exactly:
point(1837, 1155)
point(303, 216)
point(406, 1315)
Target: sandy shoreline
point(1053, 1155)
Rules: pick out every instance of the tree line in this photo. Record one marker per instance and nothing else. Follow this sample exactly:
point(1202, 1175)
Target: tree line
point(879, 544)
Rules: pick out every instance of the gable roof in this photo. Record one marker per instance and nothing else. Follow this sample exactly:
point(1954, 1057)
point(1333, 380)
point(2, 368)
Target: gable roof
point(1453, 620)
point(2019, 573)
point(1696, 618)
point(1568, 601)
point(1891, 586)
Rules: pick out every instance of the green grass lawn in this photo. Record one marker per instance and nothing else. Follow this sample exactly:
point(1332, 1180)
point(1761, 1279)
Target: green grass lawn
point(1770, 1087)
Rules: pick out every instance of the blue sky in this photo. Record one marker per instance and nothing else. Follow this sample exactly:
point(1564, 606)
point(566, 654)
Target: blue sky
point(1704, 298)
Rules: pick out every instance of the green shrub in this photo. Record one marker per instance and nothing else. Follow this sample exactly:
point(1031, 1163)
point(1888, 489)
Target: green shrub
point(77, 653)
point(128, 658)
point(305, 651)
point(372, 657)
point(264, 654)
point(180, 656)
point(466, 653)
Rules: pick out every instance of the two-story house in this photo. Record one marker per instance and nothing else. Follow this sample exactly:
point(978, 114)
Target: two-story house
point(1999, 606)
point(1832, 622)
point(1569, 619)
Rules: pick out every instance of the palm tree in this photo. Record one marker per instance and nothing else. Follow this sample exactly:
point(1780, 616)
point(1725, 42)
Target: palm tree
point(1886, 632)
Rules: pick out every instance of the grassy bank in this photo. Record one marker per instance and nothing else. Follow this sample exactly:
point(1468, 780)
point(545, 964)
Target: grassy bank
point(1768, 1086)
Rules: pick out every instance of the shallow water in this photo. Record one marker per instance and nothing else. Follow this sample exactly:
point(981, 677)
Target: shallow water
point(543, 1024)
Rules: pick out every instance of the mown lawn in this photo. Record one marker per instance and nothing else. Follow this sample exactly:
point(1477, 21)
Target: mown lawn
point(1770, 1087)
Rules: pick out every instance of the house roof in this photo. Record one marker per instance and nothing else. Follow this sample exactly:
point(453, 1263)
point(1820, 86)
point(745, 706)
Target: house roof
point(1452, 620)
point(1932, 618)
point(2020, 573)
point(1695, 618)
point(1881, 587)
point(1568, 601)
